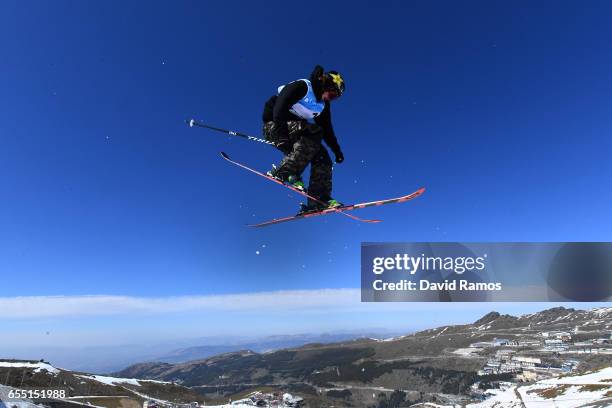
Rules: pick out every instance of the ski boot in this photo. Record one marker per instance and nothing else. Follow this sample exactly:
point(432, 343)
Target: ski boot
point(296, 182)
point(332, 203)
point(313, 207)
point(291, 180)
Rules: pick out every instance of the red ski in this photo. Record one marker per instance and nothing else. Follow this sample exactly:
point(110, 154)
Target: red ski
point(343, 208)
point(298, 191)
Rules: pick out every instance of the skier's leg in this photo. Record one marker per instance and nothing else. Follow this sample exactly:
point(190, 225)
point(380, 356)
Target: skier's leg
point(306, 147)
point(320, 185)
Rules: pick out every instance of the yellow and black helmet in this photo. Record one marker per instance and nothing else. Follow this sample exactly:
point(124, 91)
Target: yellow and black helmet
point(334, 81)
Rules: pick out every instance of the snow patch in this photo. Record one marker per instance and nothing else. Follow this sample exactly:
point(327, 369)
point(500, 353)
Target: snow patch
point(117, 381)
point(560, 392)
point(600, 311)
point(111, 380)
point(38, 367)
point(436, 335)
point(467, 352)
point(500, 398)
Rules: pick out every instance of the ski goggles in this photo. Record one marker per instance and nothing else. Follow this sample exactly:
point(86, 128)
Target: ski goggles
point(333, 93)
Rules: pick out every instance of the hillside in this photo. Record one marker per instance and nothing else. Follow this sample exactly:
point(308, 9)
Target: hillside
point(445, 360)
point(85, 389)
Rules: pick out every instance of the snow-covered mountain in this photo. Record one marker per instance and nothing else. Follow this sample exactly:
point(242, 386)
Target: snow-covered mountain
point(497, 361)
point(424, 366)
point(87, 389)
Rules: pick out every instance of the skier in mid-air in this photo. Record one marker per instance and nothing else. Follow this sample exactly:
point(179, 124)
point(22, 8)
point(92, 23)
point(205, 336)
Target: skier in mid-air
point(297, 120)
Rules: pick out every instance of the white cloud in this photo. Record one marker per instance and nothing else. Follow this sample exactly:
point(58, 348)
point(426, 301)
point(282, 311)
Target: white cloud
point(99, 305)
point(328, 301)
point(302, 301)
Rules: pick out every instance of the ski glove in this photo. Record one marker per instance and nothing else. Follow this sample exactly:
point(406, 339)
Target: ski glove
point(339, 156)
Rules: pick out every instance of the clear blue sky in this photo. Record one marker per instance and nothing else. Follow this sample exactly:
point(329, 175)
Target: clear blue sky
point(502, 111)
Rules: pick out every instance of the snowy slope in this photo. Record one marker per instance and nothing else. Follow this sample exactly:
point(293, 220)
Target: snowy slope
point(37, 374)
point(116, 381)
point(563, 392)
point(38, 367)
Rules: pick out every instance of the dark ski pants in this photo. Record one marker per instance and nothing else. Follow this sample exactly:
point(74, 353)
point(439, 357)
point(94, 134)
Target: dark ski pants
point(304, 147)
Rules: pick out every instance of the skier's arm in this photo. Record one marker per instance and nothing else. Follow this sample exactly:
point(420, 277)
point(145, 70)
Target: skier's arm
point(324, 120)
point(289, 96)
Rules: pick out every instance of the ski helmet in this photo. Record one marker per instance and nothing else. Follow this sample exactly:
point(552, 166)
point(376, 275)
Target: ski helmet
point(334, 81)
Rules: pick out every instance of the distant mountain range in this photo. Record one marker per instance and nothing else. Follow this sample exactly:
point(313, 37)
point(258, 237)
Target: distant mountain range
point(266, 344)
point(106, 359)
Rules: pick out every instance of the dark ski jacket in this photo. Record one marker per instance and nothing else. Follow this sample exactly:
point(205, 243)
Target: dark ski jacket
point(277, 108)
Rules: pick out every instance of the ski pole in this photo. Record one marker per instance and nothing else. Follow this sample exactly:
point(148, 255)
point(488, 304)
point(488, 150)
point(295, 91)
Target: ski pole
point(194, 123)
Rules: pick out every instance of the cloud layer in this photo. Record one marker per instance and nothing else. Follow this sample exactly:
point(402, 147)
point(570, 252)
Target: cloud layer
point(269, 303)
point(100, 305)
point(303, 301)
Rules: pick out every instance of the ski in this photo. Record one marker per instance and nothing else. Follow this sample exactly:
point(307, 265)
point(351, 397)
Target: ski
point(298, 191)
point(343, 208)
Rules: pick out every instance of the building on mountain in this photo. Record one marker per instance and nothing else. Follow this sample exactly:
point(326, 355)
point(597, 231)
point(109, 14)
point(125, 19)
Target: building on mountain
point(527, 361)
point(529, 343)
point(500, 342)
point(557, 335)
